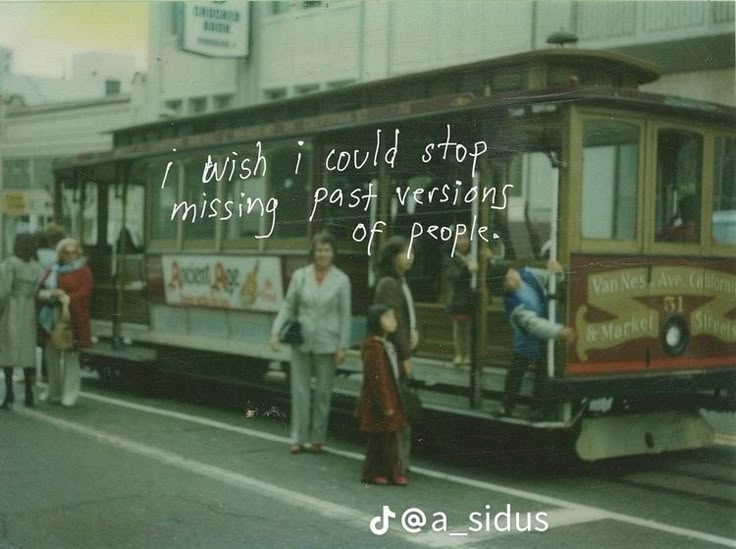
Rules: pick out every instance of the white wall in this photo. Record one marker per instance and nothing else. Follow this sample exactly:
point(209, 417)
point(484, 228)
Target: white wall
point(718, 86)
point(62, 132)
point(347, 41)
point(174, 74)
point(363, 41)
point(613, 24)
point(102, 66)
point(311, 46)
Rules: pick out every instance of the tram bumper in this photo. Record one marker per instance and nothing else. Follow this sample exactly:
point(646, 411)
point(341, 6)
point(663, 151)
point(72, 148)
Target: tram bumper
point(652, 433)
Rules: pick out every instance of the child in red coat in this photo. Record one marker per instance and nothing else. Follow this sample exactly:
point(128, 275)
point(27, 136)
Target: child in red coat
point(380, 412)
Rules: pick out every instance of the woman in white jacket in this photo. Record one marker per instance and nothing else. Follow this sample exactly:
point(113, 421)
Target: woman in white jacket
point(319, 297)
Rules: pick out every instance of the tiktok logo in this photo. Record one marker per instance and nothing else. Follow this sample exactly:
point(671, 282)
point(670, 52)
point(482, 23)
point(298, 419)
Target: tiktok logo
point(379, 525)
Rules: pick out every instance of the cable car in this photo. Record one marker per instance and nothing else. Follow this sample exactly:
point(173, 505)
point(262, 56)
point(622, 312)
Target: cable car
point(562, 157)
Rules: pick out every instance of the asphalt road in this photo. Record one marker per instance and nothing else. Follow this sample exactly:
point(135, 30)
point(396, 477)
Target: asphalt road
point(140, 469)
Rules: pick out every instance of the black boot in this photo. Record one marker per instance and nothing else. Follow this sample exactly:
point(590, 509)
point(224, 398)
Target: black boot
point(9, 396)
point(30, 380)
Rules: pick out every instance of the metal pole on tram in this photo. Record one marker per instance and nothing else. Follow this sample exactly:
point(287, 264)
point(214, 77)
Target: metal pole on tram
point(552, 305)
point(121, 244)
point(82, 205)
point(373, 217)
point(475, 381)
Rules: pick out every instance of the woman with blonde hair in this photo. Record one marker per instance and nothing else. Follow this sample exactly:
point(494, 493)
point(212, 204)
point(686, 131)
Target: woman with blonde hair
point(319, 298)
point(65, 288)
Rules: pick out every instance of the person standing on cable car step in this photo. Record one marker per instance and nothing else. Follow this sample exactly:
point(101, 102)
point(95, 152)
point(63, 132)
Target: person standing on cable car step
point(67, 284)
point(19, 275)
point(525, 301)
point(319, 297)
point(461, 302)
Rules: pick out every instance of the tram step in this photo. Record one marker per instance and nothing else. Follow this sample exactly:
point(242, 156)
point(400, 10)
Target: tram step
point(128, 353)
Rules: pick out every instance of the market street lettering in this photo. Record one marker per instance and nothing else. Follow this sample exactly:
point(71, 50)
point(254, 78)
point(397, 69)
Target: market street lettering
point(616, 293)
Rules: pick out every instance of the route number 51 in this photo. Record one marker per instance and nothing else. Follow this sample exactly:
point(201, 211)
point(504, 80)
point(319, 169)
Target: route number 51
point(672, 304)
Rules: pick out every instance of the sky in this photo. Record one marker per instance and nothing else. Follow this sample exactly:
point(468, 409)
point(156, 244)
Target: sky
point(45, 35)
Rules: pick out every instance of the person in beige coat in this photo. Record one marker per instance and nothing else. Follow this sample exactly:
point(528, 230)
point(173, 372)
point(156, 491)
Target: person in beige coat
point(319, 296)
point(19, 274)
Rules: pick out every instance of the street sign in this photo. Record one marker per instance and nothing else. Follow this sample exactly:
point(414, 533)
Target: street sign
point(216, 29)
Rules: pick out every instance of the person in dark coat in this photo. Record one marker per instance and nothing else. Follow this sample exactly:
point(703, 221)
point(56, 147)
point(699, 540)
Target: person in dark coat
point(380, 412)
point(19, 275)
point(392, 289)
point(68, 284)
point(461, 301)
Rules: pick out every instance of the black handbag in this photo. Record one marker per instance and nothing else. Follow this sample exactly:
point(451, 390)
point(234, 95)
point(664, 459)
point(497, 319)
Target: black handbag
point(291, 330)
point(411, 402)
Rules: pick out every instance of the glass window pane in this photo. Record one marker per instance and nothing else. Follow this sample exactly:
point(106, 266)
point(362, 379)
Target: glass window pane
point(80, 218)
point(339, 219)
point(679, 177)
point(610, 176)
point(240, 192)
point(43, 173)
point(244, 195)
point(132, 237)
point(524, 225)
point(724, 191)
point(163, 200)
point(290, 190)
point(199, 226)
point(16, 173)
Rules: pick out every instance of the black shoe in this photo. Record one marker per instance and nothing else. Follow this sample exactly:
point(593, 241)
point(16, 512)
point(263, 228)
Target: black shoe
point(8, 402)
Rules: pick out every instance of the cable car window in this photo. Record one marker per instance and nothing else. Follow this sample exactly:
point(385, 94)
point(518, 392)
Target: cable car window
point(240, 190)
point(349, 169)
point(405, 208)
point(16, 173)
point(197, 225)
point(79, 211)
point(162, 200)
point(724, 191)
point(132, 236)
point(342, 220)
point(524, 225)
point(679, 172)
point(610, 180)
point(290, 190)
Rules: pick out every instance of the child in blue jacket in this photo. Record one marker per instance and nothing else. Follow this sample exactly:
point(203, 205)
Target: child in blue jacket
point(525, 301)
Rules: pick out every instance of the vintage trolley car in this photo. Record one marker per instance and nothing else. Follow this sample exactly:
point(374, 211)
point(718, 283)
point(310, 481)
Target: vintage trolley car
point(634, 193)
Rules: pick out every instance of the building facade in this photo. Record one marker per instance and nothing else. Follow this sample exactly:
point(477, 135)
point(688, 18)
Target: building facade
point(43, 119)
point(305, 47)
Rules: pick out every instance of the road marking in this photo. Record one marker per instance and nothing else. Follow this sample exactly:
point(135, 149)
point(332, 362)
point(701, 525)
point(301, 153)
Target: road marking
point(335, 512)
point(343, 515)
point(555, 519)
point(725, 440)
point(489, 486)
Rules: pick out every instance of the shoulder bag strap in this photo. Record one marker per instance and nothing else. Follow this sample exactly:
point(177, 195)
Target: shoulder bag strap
point(300, 291)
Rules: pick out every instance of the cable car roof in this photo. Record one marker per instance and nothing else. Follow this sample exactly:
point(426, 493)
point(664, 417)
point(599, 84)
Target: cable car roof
point(541, 76)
